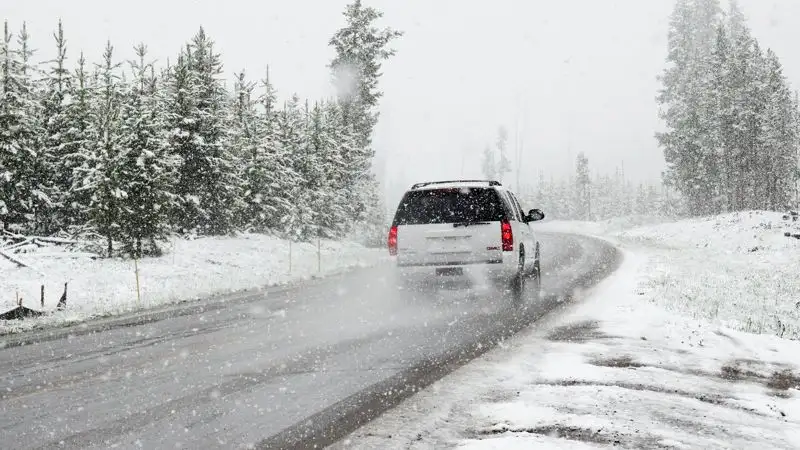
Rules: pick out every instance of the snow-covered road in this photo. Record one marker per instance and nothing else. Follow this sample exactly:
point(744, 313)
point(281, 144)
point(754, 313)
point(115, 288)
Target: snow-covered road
point(250, 371)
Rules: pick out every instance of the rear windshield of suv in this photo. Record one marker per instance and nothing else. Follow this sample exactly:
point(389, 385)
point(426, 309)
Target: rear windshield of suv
point(457, 205)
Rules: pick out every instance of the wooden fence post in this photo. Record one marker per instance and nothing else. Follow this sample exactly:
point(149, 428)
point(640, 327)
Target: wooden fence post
point(138, 292)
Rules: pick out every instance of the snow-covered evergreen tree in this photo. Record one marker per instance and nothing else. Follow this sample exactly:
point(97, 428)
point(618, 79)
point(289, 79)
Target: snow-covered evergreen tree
point(728, 142)
point(291, 136)
point(341, 140)
point(182, 125)
point(38, 180)
point(130, 156)
point(724, 117)
point(147, 168)
point(57, 137)
point(243, 141)
point(780, 139)
point(583, 188)
point(753, 139)
point(686, 103)
point(74, 164)
point(207, 182)
point(610, 196)
point(796, 165)
point(360, 49)
point(503, 164)
point(327, 199)
point(105, 153)
point(270, 174)
point(489, 164)
point(736, 21)
point(24, 200)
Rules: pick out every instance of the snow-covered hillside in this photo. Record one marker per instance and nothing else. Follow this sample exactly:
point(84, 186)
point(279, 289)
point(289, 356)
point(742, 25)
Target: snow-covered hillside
point(190, 269)
point(737, 270)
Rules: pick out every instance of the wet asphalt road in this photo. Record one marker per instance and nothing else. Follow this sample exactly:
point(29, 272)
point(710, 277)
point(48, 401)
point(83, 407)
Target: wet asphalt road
point(277, 369)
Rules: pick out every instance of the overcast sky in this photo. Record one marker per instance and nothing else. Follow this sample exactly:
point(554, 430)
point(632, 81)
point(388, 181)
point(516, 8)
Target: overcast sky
point(577, 75)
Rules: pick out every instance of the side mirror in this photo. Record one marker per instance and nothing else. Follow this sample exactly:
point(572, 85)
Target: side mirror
point(535, 215)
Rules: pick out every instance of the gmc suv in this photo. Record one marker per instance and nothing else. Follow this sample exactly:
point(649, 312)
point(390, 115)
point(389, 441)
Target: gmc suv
point(454, 227)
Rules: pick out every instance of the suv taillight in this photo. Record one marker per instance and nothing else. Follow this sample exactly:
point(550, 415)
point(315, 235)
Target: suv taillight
point(393, 241)
point(508, 236)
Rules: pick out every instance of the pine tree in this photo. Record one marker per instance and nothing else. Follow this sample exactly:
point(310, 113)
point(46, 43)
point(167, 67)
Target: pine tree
point(329, 169)
point(73, 167)
point(360, 50)
point(687, 107)
point(373, 224)
point(750, 120)
point(796, 166)
point(737, 23)
point(207, 181)
point(583, 188)
point(39, 165)
point(243, 140)
point(220, 194)
point(780, 139)
point(270, 173)
point(24, 202)
point(182, 123)
point(106, 153)
point(724, 118)
point(565, 196)
point(730, 133)
point(268, 99)
point(489, 165)
point(341, 140)
point(58, 132)
point(503, 165)
point(147, 168)
point(291, 136)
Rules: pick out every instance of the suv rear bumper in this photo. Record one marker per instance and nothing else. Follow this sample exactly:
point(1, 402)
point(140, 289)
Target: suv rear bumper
point(501, 268)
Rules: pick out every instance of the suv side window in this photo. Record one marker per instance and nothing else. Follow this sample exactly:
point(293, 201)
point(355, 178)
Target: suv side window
point(512, 208)
point(519, 206)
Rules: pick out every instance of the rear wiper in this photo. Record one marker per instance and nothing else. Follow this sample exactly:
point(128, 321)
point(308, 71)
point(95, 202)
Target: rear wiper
point(467, 224)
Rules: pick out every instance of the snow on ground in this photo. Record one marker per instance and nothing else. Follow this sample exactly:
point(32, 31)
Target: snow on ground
point(657, 356)
point(600, 228)
point(737, 270)
point(190, 269)
point(616, 370)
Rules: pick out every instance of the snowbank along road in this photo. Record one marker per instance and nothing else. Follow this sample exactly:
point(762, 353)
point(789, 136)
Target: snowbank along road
point(280, 369)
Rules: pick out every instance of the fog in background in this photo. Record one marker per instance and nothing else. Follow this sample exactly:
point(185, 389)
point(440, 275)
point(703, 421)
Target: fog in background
point(564, 75)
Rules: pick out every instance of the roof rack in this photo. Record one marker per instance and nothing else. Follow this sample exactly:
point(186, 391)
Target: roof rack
point(428, 183)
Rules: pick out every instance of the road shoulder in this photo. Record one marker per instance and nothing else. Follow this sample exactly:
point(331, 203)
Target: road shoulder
point(193, 272)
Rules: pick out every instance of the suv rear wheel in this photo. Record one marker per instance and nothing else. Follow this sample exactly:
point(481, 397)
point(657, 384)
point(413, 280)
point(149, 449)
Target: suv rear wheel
point(518, 280)
point(537, 272)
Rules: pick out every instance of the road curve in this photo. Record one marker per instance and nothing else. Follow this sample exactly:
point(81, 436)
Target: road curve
point(284, 368)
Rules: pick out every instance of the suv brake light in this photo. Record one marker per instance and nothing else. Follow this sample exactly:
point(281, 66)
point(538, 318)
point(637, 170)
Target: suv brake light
point(507, 235)
point(393, 241)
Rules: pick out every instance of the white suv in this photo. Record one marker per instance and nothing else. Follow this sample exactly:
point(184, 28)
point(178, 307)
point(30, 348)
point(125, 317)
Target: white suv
point(456, 227)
